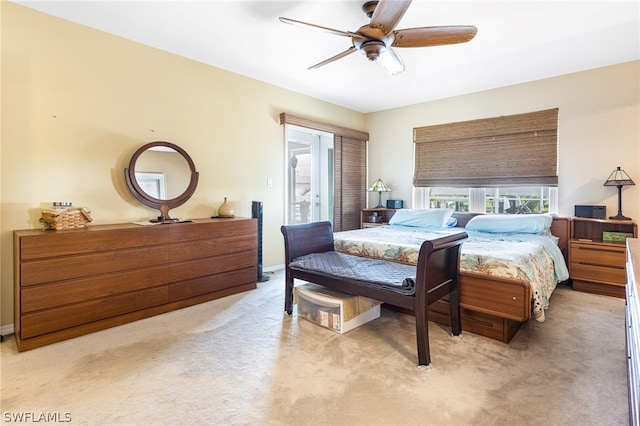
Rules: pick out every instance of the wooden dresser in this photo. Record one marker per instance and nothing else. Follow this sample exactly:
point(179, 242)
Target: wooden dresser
point(633, 329)
point(70, 283)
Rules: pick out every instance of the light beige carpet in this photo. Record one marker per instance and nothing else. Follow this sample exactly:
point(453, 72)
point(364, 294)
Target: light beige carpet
point(242, 361)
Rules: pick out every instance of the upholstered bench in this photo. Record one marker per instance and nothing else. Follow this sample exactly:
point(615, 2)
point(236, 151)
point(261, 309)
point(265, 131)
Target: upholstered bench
point(310, 256)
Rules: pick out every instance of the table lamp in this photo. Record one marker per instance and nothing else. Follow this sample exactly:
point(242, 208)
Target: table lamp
point(619, 178)
point(379, 187)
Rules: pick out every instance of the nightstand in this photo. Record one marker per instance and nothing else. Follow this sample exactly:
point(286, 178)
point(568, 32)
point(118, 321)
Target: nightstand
point(596, 265)
point(383, 217)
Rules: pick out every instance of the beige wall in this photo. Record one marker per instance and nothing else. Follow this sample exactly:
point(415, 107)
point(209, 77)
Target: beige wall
point(599, 129)
point(77, 103)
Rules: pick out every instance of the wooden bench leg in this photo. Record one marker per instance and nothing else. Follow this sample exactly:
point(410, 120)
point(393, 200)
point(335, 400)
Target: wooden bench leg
point(288, 294)
point(422, 335)
point(454, 312)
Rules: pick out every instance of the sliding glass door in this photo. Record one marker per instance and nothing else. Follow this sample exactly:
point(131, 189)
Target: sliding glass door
point(309, 175)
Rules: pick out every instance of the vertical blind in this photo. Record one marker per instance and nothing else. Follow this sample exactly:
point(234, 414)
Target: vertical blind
point(353, 182)
point(515, 150)
point(350, 170)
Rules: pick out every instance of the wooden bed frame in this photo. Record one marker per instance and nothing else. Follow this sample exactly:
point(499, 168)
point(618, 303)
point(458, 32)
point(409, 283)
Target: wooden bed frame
point(492, 306)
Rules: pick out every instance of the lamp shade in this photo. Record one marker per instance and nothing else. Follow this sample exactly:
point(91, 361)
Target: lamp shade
point(379, 186)
point(619, 178)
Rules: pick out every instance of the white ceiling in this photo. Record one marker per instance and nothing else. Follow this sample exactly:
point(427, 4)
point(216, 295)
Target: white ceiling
point(517, 41)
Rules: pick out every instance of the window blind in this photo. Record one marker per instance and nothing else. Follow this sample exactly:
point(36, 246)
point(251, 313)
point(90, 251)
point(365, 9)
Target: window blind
point(515, 150)
point(350, 182)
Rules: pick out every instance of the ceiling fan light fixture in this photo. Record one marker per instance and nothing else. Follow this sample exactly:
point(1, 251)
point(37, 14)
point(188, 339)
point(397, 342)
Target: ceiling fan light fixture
point(372, 49)
point(390, 62)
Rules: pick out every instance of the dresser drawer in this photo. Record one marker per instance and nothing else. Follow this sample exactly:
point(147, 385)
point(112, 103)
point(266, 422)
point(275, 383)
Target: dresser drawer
point(61, 293)
point(51, 320)
point(604, 255)
point(198, 249)
point(88, 265)
point(47, 244)
point(181, 271)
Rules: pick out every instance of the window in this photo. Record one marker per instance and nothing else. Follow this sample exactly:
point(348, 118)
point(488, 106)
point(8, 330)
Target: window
point(517, 200)
point(521, 200)
point(455, 198)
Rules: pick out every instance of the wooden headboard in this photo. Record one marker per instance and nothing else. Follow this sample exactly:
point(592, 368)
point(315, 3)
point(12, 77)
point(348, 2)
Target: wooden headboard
point(463, 218)
point(559, 228)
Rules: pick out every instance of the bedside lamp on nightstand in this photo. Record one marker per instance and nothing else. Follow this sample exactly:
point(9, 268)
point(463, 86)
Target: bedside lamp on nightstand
point(619, 178)
point(379, 187)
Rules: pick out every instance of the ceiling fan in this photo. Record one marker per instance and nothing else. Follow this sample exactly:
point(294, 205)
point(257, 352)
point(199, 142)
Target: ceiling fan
point(377, 39)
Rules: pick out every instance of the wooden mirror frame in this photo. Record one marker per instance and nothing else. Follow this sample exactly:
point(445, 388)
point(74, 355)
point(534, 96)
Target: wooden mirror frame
point(163, 205)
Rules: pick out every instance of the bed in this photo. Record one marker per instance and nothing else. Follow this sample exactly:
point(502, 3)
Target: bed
point(506, 278)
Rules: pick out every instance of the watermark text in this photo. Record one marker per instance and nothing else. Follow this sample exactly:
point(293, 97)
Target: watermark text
point(35, 417)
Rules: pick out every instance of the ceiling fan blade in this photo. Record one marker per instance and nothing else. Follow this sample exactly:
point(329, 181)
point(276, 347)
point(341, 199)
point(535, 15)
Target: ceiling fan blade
point(390, 61)
point(319, 28)
point(388, 13)
point(334, 58)
point(434, 36)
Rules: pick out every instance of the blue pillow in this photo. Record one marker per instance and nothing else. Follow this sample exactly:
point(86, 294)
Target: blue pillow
point(425, 218)
point(507, 223)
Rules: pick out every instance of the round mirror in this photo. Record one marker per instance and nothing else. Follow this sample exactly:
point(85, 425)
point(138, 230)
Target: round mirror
point(161, 175)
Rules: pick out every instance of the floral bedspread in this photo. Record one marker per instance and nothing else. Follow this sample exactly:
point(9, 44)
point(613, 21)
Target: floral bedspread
point(534, 259)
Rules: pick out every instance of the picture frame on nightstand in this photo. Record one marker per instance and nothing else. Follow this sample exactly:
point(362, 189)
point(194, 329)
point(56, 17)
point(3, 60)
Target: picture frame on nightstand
point(615, 237)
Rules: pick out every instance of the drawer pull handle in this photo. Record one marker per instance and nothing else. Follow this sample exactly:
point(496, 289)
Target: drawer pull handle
point(601, 249)
point(600, 264)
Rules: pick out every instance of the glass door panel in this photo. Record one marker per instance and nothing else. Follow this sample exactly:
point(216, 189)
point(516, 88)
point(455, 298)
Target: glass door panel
point(309, 175)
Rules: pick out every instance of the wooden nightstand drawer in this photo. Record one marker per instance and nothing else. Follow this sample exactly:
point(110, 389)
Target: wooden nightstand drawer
point(604, 255)
point(599, 273)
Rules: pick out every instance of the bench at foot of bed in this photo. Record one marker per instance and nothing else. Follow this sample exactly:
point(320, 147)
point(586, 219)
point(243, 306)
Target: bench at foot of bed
point(310, 246)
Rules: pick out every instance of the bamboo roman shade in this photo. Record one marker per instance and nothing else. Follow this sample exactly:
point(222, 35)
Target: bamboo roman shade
point(515, 150)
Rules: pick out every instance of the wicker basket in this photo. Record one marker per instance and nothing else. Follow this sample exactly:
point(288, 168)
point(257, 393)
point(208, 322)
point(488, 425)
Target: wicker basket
point(70, 218)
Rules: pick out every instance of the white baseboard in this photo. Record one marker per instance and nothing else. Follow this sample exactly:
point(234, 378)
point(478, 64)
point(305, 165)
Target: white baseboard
point(273, 268)
point(5, 330)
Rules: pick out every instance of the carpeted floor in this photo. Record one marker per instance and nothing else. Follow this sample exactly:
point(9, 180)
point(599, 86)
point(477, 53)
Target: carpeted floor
point(242, 361)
